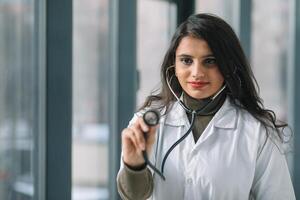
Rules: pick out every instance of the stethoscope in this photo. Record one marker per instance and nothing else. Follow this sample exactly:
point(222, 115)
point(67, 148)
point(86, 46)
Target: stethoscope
point(151, 118)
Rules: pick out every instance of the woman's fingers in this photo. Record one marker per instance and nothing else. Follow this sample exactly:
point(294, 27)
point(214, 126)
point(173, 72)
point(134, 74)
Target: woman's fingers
point(135, 139)
point(132, 154)
point(139, 136)
point(151, 134)
point(141, 123)
point(129, 139)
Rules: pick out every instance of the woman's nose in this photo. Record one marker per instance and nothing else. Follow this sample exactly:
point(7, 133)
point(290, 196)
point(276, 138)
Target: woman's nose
point(197, 71)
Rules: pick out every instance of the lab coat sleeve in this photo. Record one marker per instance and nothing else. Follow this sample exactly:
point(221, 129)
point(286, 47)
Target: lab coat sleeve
point(272, 179)
point(134, 184)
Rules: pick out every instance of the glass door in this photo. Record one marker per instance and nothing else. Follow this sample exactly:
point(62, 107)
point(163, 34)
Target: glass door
point(90, 100)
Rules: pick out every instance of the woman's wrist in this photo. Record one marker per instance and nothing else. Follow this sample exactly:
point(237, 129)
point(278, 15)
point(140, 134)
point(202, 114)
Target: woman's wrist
point(135, 167)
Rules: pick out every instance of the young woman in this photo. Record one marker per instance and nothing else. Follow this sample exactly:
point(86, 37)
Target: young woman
point(234, 148)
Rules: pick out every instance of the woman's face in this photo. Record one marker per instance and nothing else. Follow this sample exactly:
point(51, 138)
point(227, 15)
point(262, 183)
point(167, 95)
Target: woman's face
point(196, 68)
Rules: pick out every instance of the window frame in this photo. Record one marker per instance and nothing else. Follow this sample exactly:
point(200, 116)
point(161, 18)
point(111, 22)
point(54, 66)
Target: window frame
point(58, 101)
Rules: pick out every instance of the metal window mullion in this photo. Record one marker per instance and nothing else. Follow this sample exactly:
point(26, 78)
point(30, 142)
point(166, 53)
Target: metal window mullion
point(184, 9)
point(58, 99)
point(113, 95)
point(40, 136)
point(124, 80)
point(294, 89)
point(241, 22)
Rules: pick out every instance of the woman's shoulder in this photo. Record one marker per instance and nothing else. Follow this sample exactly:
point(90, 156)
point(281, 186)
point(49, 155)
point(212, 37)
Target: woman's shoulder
point(232, 112)
point(261, 133)
point(244, 117)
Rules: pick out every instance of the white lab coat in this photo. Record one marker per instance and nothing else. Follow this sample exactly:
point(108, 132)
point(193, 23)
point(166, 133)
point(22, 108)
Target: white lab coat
point(230, 160)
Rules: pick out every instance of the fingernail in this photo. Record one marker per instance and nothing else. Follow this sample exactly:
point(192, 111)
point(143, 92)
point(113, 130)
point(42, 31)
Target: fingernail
point(146, 129)
point(142, 146)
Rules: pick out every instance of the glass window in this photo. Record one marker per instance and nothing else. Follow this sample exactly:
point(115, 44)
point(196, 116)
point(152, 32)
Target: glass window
point(221, 8)
point(269, 55)
point(269, 43)
point(270, 25)
point(153, 39)
point(90, 99)
point(18, 100)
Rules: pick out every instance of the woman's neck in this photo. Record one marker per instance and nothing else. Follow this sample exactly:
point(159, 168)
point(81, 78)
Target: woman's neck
point(198, 104)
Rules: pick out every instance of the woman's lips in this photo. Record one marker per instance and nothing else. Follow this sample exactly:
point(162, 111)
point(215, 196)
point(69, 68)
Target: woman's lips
point(198, 84)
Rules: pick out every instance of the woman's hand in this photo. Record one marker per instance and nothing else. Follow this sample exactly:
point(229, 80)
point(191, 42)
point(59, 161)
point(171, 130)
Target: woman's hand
point(134, 142)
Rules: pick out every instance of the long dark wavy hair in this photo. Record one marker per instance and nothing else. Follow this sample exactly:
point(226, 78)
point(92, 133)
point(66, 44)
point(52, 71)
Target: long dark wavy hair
point(242, 87)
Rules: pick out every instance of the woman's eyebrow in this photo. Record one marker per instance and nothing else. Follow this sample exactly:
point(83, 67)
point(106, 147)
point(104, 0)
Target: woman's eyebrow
point(184, 55)
point(208, 55)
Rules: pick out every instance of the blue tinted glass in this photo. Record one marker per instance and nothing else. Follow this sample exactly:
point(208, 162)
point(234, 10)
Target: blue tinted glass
point(18, 100)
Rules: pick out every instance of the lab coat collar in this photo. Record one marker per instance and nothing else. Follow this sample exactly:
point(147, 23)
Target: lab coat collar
point(225, 118)
point(175, 115)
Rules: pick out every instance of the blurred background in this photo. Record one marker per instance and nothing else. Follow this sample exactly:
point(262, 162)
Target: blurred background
point(73, 72)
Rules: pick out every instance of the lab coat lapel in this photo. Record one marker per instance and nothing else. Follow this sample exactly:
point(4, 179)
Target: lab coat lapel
point(225, 118)
point(176, 115)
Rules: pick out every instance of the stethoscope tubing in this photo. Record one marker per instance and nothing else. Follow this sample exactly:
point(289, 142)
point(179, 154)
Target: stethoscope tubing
point(188, 110)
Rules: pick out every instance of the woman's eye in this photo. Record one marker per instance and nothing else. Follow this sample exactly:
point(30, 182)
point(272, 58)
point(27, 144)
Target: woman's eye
point(186, 61)
point(210, 61)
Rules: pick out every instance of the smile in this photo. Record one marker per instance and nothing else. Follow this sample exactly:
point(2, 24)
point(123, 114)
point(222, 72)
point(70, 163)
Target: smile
point(198, 84)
